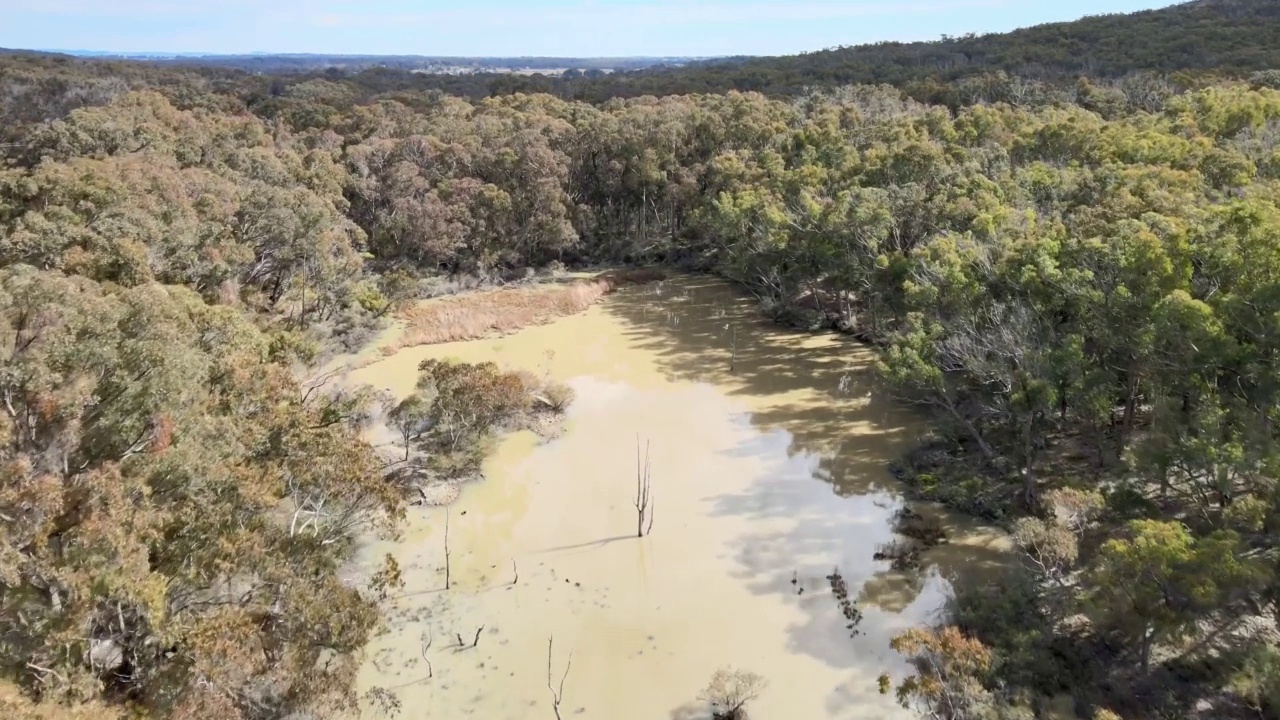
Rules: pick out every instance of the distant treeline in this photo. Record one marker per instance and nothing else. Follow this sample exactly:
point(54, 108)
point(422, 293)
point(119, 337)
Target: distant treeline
point(307, 62)
point(1196, 40)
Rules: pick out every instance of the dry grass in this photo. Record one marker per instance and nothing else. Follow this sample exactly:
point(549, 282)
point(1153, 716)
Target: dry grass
point(497, 312)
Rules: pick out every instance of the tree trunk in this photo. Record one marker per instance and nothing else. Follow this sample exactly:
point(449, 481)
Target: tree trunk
point(1028, 461)
point(1146, 649)
point(1126, 425)
point(987, 452)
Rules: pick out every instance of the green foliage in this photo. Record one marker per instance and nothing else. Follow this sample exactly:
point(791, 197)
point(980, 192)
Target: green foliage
point(1152, 584)
point(1008, 617)
point(454, 410)
point(1258, 680)
point(1078, 278)
point(149, 451)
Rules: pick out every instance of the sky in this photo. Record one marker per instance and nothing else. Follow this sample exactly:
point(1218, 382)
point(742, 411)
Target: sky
point(506, 28)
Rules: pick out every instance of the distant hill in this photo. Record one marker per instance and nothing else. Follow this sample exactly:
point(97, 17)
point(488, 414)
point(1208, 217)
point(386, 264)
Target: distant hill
point(1231, 37)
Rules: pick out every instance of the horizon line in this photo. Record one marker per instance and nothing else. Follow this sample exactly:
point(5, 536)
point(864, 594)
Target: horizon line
point(265, 53)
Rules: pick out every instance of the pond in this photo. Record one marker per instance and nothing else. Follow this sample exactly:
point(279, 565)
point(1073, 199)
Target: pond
point(765, 476)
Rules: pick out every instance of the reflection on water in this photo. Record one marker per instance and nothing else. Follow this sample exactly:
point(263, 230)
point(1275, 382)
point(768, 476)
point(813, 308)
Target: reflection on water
point(764, 478)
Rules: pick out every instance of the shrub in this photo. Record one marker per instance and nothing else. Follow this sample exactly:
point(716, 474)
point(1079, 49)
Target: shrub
point(901, 554)
point(1050, 545)
point(1258, 680)
point(353, 328)
point(927, 529)
point(470, 399)
point(531, 382)
point(1007, 617)
point(558, 395)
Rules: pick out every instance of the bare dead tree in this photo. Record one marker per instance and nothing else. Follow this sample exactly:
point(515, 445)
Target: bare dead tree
point(446, 548)
point(644, 497)
point(515, 571)
point(474, 641)
point(730, 690)
point(557, 695)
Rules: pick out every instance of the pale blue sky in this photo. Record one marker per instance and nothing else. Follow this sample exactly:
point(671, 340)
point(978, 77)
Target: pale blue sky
point(516, 27)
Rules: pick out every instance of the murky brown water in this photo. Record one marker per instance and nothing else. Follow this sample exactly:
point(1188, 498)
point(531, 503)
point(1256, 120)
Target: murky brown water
point(767, 474)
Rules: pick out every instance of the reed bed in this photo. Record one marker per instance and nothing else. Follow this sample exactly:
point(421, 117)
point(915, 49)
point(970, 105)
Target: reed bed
point(482, 314)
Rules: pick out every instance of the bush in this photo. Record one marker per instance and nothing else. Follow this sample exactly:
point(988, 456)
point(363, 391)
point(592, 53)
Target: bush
point(558, 395)
point(293, 346)
point(901, 554)
point(1258, 680)
point(927, 529)
point(1006, 616)
point(354, 328)
point(470, 400)
point(975, 495)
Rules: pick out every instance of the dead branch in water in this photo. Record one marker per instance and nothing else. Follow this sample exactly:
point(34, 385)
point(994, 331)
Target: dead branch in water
point(446, 548)
point(462, 644)
point(644, 496)
point(384, 698)
point(425, 647)
point(557, 695)
point(733, 349)
point(840, 589)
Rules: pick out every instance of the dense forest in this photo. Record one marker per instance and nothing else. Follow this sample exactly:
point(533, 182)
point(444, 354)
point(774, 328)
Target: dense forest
point(1080, 282)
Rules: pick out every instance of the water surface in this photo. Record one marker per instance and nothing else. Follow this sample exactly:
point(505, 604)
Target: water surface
point(765, 477)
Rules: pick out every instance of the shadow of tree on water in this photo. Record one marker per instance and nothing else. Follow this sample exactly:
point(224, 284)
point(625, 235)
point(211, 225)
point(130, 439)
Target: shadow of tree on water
point(691, 711)
point(824, 433)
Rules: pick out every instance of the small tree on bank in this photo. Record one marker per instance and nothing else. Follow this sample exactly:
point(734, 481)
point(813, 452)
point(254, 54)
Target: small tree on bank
point(950, 672)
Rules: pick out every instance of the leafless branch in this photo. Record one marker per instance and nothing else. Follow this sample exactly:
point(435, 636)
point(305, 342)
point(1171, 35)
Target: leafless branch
point(49, 671)
point(644, 499)
point(557, 695)
point(317, 383)
point(426, 645)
